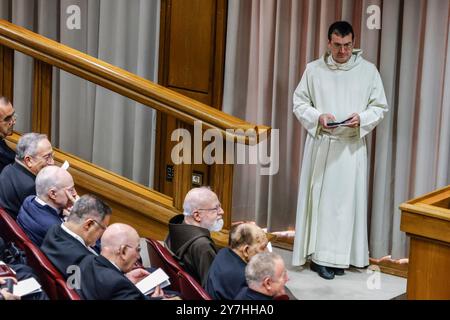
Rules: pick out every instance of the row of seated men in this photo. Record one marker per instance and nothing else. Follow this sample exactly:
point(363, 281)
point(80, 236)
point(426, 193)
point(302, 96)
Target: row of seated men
point(43, 199)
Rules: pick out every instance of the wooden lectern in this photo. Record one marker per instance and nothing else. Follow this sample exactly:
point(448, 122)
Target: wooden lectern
point(427, 221)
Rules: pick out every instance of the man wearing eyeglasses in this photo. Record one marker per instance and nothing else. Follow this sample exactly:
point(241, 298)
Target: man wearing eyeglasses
point(110, 275)
point(189, 236)
point(340, 99)
point(66, 244)
point(17, 180)
point(55, 193)
point(7, 122)
point(266, 277)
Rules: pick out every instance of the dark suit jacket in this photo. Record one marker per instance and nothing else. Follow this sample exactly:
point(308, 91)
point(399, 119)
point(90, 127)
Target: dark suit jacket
point(16, 183)
point(101, 280)
point(249, 294)
point(63, 250)
point(7, 155)
point(226, 275)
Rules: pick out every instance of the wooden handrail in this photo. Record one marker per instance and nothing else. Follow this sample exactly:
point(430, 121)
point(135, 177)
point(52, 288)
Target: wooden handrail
point(122, 81)
point(147, 210)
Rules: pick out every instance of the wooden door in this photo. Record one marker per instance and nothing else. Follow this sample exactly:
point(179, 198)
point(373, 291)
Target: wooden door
point(191, 62)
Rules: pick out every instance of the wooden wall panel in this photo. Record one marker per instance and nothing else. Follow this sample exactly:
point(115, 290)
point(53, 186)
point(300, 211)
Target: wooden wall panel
point(6, 72)
point(192, 48)
point(429, 263)
point(192, 59)
point(42, 98)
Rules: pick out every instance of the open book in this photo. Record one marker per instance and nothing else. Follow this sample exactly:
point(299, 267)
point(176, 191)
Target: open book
point(148, 284)
point(339, 124)
point(26, 287)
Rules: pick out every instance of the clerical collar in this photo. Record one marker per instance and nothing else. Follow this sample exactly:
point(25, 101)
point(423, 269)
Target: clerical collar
point(80, 239)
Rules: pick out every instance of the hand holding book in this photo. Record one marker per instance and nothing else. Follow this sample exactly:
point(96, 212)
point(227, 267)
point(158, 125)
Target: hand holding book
point(352, 122)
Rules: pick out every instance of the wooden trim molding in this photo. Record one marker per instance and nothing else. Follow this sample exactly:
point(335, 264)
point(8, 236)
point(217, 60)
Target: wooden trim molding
point(42, 98)
point(148, 211)
point(426, 220)
point(6, 72)
point(121, 81)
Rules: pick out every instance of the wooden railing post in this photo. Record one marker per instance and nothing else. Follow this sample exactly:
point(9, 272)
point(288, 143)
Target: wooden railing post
point(6, 72)
point(42, 98)
point(182, 178)
point(222, 177)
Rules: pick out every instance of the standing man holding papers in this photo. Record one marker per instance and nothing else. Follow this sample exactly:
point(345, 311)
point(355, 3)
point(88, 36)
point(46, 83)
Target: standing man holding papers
point(343, 88)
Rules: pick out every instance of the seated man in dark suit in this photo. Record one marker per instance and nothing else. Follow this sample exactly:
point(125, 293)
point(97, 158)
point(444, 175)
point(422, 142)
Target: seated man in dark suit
point(266, 277)
point(55, 193)
point(189, 237)
point(5, 294)
point(22, 271)
point(7, 122)
point(110, 276)
point(226, 275)
point(67, 244)
point(33, 153)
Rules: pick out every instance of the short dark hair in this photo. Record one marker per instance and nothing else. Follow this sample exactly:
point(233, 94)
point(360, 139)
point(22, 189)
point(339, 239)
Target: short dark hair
point(341, 28)
point(89, 205)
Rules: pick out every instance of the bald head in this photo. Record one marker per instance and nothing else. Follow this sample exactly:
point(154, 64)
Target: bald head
point(52, 186)
point(51, 176)
point(119, 234)
point(120, 245)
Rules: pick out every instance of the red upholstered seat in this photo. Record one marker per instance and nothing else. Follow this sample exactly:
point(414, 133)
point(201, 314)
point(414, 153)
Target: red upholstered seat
point(160, 257)
point(11, 231)
point(190, 289)
point(64, 292)
point(180, 280)
point(44, 269)
point(50, 279)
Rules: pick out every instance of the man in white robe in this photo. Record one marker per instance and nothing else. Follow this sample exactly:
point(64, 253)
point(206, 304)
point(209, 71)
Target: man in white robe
point(331, 223)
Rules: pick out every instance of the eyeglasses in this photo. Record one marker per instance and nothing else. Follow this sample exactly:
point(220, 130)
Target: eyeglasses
point(211, 209)
point(138, 248)
point(10, 119)
point(99, 224)
point(346, 46)
point(47, 157)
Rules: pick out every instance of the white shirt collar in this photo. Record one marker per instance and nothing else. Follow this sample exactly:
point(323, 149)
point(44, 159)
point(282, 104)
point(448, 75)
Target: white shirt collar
point(40, 201)
point(80, 239)
point(115, 265)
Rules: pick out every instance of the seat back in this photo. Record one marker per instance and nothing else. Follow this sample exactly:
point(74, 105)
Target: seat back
point(190, 289)
point(44, 269)
point(160, 257)
point(11, 231)
point(64, 292)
